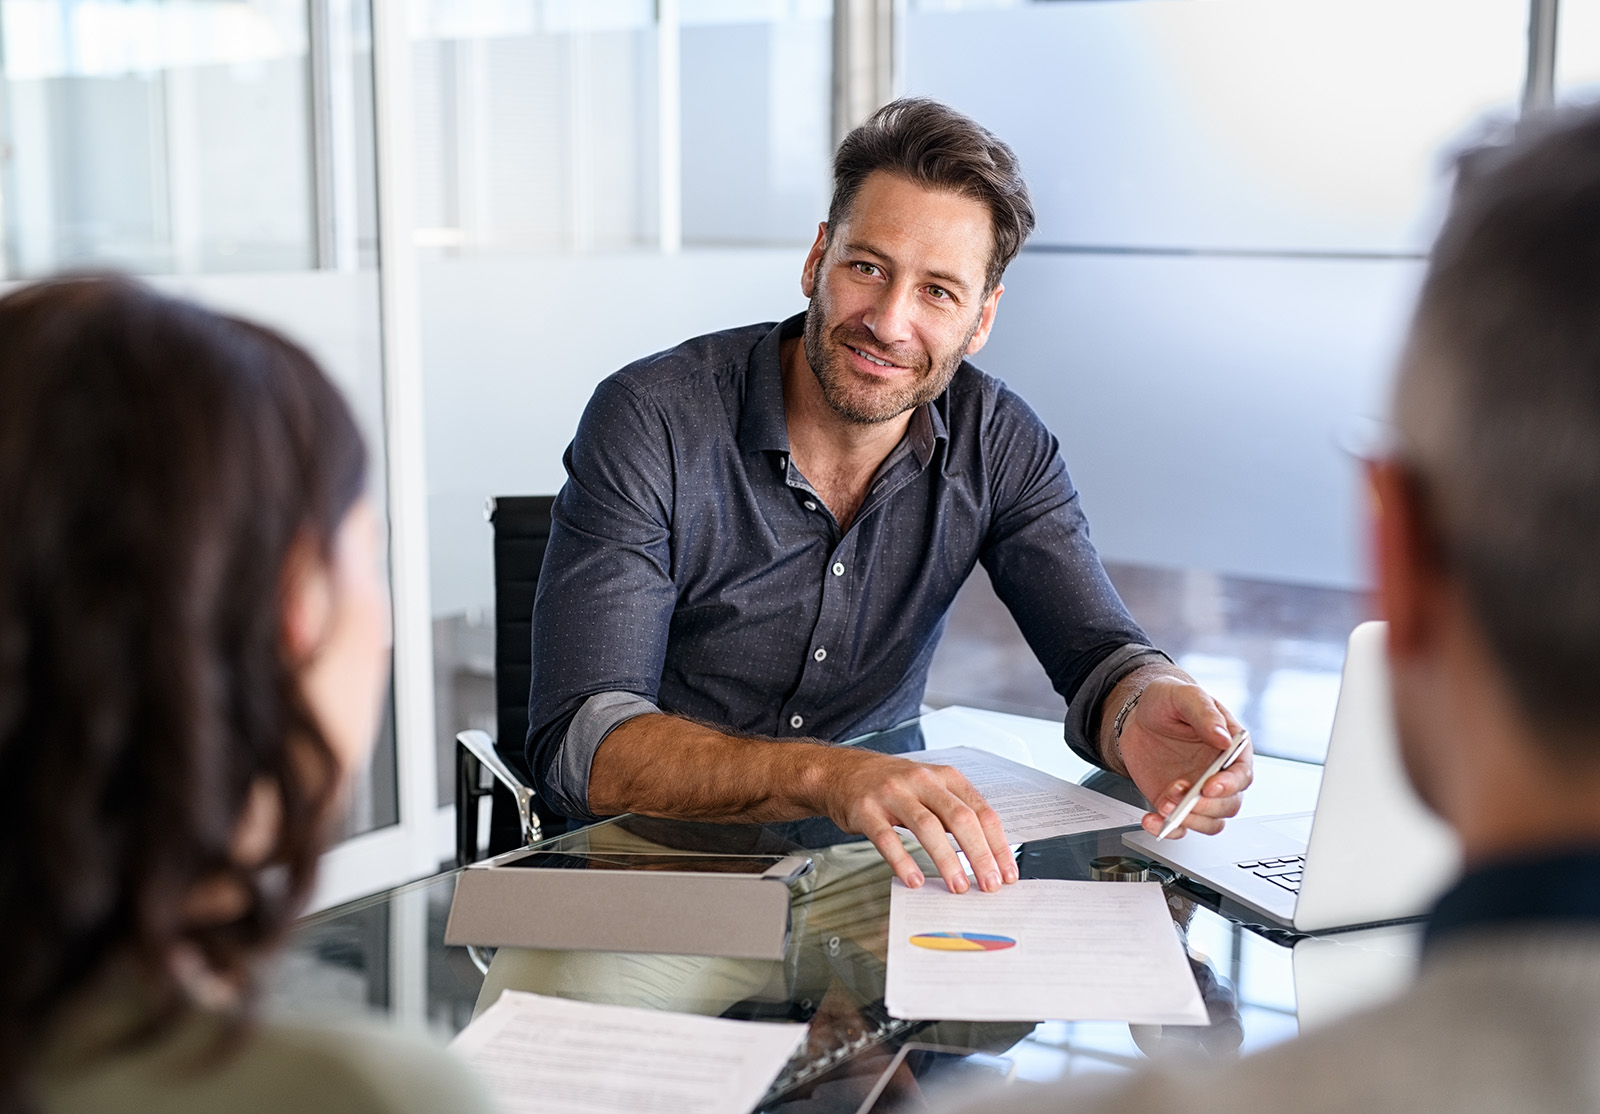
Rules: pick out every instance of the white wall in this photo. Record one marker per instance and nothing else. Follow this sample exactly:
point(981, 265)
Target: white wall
point(1199, 401)
point(1254, 124)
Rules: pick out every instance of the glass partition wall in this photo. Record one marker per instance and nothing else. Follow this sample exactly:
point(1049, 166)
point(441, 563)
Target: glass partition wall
point(157, 138)
point(227, 150)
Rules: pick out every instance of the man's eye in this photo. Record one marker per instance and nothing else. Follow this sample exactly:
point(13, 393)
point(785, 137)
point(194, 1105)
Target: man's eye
point(938, 292)
point(866, 268)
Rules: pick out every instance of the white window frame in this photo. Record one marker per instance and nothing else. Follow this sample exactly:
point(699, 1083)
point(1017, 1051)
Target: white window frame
point(407, 850)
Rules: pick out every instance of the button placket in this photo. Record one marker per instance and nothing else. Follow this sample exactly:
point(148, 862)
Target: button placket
point(833, 624)
point(884, 487)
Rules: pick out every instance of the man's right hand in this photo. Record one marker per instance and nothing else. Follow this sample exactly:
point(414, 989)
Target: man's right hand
point(870, 794)
point(660, 765)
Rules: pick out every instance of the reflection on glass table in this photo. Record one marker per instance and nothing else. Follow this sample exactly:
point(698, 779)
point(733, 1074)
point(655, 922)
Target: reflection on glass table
point(386, 955)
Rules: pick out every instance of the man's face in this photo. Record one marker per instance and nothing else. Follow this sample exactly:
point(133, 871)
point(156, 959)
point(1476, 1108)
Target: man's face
point(897, 298)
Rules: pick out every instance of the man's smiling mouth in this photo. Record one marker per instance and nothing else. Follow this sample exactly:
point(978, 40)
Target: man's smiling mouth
point(870, 358)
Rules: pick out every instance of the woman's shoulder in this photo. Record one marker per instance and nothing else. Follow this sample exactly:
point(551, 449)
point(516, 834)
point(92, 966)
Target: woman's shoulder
point(281, 1066)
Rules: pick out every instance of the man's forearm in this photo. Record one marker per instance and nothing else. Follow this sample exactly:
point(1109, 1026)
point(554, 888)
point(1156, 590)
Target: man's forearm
point(662, 765)
point(1123, 691)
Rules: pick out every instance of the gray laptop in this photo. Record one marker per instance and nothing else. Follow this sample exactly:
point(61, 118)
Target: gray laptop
point(1370, 852)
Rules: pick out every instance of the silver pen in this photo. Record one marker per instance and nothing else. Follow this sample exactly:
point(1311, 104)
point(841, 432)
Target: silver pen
point(1185, 806)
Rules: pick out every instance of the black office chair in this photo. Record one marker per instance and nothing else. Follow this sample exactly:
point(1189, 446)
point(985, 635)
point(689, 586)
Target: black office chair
point(497, 768)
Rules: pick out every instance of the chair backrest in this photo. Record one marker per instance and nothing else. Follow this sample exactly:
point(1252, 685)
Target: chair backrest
point(521, 533)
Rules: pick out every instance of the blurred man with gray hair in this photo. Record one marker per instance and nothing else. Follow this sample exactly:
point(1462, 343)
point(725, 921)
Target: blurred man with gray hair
point(1488, 562)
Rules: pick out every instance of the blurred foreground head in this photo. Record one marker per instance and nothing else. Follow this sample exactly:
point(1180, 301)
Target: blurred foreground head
point(1498, 409)
point(177, 492)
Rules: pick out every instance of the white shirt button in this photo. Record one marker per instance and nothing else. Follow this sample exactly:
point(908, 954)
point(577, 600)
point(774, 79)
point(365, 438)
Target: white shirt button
point(838, 568)
point(783, 462)
point(797, 722)
point(821, 654)
point(810, 506)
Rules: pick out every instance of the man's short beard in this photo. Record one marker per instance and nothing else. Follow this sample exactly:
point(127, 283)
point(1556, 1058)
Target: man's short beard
point(870, 407)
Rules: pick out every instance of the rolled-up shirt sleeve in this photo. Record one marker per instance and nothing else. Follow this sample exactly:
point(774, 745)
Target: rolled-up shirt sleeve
point(596, 717)
point(1047, 572)
point(606, 596)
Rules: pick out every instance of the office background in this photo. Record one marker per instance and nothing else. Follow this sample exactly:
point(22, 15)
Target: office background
point(473, 210)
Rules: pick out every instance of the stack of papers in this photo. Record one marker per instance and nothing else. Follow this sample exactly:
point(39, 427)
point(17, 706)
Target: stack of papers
point(1039, 950)
point(540, 1055)
point(1032, 804)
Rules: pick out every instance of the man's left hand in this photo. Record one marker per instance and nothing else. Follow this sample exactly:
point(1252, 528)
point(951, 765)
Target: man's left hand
point(1171, 736)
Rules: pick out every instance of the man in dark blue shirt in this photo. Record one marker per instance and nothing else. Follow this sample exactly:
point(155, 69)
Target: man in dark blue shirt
point(763, 529)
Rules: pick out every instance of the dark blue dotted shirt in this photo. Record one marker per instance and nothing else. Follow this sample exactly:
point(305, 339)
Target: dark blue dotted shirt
point(692, 569)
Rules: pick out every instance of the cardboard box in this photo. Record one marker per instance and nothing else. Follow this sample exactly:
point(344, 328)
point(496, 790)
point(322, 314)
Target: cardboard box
point(655, 911)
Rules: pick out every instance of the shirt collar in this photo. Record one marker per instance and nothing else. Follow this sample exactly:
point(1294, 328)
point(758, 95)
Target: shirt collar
point(763, 426)
point(1561, 888)
point(927, 428)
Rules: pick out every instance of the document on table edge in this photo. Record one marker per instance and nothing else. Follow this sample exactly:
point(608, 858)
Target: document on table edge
point(540, 1053)
point(1032, 804)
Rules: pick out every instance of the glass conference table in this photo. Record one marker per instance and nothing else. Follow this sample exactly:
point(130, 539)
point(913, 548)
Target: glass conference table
point(385, 954)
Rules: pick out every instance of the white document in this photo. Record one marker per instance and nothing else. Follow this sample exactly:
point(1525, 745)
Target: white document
point(1032, 804)
point(956, 726)
point(538, 1055)
point(1039, 950)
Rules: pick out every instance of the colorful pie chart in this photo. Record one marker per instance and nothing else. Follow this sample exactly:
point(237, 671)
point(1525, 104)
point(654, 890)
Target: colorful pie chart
point(962, 941)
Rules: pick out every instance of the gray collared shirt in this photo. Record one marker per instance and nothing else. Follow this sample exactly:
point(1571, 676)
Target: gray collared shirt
point(692, 569)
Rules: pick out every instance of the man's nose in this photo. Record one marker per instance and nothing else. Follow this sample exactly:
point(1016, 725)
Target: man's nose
point(889, 317)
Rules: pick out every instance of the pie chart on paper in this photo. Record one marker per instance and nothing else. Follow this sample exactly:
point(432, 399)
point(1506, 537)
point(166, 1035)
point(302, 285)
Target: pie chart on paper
point(962, 941)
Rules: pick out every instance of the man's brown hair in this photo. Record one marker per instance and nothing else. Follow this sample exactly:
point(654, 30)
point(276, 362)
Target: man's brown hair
point(936, 147)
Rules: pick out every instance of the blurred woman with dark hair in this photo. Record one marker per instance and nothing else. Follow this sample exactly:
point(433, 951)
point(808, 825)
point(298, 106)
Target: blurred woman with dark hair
point(193, 651)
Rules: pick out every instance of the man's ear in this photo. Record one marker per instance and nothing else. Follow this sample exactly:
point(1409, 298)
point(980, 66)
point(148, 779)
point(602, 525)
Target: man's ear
point(1406, 557)
point(985, 320)
point(808, 275)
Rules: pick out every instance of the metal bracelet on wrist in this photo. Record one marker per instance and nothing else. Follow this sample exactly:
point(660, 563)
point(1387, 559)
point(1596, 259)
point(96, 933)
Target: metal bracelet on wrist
point(1121, 721)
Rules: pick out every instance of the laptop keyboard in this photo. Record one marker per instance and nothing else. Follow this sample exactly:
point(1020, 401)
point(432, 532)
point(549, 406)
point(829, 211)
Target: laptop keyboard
point(1285, 872)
